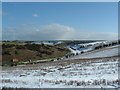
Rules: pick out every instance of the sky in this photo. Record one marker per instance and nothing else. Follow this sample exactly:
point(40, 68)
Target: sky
point(59, 20)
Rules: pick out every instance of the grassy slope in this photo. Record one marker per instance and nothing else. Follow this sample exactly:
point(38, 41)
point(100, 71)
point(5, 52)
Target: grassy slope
point(44, 52)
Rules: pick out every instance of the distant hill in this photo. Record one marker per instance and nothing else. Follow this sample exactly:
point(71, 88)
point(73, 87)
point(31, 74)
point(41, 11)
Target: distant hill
point(27, 52)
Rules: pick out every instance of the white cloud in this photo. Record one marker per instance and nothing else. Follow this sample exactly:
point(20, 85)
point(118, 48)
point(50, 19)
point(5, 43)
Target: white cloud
point(35, 15)
point(55, 32)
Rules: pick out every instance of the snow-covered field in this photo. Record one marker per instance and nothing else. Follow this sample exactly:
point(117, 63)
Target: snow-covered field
point(89, 74)
point(98, 53)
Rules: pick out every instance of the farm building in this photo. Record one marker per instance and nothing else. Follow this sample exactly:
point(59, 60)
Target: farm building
point(16, 60)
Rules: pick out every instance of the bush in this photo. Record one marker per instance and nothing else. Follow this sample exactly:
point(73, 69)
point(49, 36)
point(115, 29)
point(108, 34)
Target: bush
point(7, 45)
point(16, 52)
point(39, 54)
point(20, 47)
point(5, 53)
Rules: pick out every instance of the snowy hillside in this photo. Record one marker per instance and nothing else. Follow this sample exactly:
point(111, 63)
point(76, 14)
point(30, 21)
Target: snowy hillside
point(48, 42)
point(90, 74)
point(98, 53)
point(88, 47)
